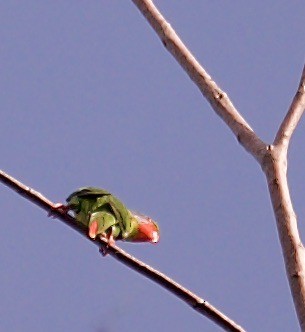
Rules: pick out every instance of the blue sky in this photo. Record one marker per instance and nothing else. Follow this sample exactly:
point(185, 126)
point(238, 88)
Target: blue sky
point(89, 96)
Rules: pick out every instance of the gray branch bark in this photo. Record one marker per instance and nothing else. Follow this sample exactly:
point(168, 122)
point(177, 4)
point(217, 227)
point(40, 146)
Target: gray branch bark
point(272, 158)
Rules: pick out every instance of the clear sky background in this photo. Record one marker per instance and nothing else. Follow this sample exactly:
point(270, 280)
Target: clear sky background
point(89, 96)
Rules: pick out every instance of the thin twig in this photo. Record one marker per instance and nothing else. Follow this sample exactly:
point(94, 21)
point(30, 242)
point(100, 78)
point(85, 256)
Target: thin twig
point(184, 294)
point(217, 98)
point(293, 115)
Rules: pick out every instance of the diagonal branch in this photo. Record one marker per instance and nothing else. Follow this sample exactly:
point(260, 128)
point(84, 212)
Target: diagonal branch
point(293, 115)
point(197, 303)
point(217, 98)
point(287, 225)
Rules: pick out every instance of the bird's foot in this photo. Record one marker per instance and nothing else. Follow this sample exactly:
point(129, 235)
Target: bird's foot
point(58, 207)
point(105, 250)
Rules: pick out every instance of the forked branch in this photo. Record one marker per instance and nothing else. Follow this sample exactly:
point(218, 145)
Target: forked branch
point(275, 167)
point(197, 303)
point(293, 115)
point(272, 158)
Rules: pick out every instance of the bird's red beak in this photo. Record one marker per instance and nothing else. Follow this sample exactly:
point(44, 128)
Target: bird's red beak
point(148, 230)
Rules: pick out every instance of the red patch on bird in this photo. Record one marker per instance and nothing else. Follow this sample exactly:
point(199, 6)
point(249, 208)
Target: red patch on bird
point(93, 229)
point(147, 232)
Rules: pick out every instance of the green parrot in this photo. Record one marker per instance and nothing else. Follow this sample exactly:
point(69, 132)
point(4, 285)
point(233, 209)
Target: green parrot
point(106, 216)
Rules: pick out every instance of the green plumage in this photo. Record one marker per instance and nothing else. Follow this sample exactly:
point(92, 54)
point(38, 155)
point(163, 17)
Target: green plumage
point(106, 215)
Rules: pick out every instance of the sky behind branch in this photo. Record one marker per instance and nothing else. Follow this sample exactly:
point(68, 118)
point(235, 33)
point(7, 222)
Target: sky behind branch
point(89, 96)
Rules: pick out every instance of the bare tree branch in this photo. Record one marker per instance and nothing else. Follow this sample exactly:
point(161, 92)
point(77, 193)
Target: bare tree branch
point(272, 158)
point(293, 116)
point(217, 98)
point(275, 166)
point(197, 303)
